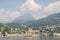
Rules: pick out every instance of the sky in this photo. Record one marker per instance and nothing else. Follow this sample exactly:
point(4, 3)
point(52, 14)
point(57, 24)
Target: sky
point(11, 9)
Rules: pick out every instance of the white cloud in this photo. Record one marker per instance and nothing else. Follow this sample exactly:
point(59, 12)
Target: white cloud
point(8, 16)
point(53, 8)
point(31, 7)
point(13, 14)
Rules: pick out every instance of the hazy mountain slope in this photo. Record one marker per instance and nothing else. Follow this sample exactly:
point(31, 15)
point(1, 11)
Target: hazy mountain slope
point(49, 20)
point(28, 20)
point(24, 18)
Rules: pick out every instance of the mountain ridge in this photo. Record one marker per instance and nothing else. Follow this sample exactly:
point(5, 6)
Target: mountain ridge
point(53, 19)
point(24, 18)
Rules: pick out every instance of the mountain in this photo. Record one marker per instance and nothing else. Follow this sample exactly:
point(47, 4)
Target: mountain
point(28, 20)
point(25, 18)
point(53, 19)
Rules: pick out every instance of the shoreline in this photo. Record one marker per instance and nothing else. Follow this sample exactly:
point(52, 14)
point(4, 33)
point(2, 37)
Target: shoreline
point(28, 35)
point(24, 35)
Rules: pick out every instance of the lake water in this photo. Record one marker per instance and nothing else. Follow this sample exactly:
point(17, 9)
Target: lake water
point(29, 38)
